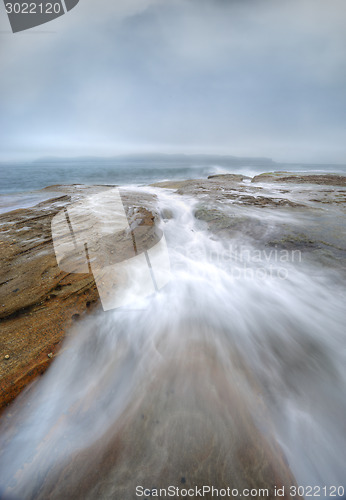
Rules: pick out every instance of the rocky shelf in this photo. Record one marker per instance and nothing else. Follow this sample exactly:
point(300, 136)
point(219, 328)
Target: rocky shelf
point(38, 301)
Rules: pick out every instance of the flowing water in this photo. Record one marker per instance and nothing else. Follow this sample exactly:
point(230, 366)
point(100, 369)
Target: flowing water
point(275, 331)
point(18, 177)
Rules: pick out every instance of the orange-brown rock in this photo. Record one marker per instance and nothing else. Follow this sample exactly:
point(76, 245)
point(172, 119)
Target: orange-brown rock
point(38, 301)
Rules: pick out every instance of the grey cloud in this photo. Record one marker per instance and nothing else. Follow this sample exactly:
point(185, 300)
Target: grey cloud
point(238, 77)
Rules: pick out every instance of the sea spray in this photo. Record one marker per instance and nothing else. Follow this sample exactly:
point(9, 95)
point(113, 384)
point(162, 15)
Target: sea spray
point(273, 342)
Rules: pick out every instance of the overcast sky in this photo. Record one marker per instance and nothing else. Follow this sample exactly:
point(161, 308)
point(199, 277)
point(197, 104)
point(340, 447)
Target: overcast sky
point(239, 77)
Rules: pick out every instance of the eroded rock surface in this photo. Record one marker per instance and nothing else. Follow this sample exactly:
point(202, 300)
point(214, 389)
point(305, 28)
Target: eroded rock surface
point(38, 301)
point(189, 423)
point(297, 178)
point(288, 216)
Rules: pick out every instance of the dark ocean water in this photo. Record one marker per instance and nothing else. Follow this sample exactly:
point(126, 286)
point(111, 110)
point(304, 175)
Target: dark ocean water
point(18, 177)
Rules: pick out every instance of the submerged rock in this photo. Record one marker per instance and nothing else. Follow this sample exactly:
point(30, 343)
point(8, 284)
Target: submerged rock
point(188, 424)
point(270, 216)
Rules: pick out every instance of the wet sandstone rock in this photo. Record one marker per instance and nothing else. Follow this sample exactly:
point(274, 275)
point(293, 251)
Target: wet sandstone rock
point(271, 218)
point(159, 436)
point(38, 301)
point(230, 177)
point(291, 177)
